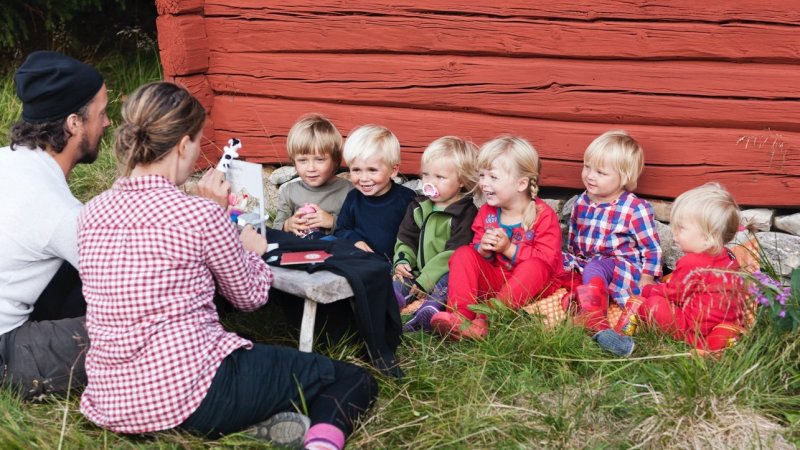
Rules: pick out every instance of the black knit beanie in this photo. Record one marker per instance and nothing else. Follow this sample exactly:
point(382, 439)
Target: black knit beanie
point(52, 86)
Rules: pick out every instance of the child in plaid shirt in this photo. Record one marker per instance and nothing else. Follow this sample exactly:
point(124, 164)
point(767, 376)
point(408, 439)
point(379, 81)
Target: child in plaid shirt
point(612, 235)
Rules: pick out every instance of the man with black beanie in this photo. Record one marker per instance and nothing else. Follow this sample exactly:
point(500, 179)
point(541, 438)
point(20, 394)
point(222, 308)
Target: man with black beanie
point(42, 332)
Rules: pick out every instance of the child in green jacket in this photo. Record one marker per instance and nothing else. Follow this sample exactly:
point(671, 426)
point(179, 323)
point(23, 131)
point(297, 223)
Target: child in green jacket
point(435, 225)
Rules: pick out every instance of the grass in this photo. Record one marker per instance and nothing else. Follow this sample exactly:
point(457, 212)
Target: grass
point(524, 387)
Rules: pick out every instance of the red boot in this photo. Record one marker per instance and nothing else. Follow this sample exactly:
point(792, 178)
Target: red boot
point(722, 336)
point(593, 304)
point(629, 320)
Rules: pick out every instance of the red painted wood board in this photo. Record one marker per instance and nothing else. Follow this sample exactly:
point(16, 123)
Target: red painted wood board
point(179, 6)
point(183, 44)
point(759, 167)
point(199, 86)
point(774, 11)
point(699, 93)
point(465, 35)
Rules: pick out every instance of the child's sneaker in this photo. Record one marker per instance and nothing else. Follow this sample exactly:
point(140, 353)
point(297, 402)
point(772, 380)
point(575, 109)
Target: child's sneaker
point(456, 327)
point(285, 430)
point(422, 318)
point(614, 342)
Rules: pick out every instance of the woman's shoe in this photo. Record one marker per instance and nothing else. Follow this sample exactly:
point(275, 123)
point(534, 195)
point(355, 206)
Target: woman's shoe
point(285, 430)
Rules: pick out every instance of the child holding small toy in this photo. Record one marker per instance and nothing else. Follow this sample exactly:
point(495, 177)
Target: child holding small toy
point(612, 233)
point(309, 206)
point(372, 212)
point(702, 303)
point(516, 247)
point(434, 226)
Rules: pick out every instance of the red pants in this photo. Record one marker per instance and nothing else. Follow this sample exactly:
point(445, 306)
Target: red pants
point(659, 312)
point(474, 278)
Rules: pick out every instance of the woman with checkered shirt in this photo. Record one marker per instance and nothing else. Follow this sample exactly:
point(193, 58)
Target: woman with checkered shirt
point(150, 257)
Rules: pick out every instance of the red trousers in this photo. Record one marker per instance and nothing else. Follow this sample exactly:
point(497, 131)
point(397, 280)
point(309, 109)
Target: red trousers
point(473, 278)
point(659, 312)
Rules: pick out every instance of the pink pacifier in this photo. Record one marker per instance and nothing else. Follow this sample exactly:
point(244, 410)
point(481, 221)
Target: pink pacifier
point(430, 191)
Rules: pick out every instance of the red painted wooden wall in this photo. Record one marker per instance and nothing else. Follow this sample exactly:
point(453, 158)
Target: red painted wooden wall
point(710, 89)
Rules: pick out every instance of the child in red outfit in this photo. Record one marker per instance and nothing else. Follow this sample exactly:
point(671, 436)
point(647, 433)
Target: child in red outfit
point(702, 303)
point(516, 248)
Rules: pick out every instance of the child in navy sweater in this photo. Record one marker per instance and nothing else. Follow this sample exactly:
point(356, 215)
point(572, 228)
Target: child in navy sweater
point(372, 212)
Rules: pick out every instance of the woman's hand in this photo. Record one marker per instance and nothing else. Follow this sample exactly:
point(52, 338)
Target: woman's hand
point(252, 241)
point(214, 187)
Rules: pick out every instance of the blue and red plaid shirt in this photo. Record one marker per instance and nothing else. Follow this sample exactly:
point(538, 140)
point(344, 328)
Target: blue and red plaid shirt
point(624, 230)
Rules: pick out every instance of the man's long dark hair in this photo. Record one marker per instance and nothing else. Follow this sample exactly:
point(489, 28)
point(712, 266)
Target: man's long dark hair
point(41, 135)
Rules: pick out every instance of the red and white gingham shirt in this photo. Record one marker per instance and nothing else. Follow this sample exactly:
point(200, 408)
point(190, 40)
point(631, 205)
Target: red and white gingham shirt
point(148, 256)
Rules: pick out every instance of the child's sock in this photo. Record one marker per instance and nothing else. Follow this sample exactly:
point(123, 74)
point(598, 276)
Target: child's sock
point(614, 342)
point(324, 436)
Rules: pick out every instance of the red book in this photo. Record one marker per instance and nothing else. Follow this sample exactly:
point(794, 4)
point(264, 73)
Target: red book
point(307, 257)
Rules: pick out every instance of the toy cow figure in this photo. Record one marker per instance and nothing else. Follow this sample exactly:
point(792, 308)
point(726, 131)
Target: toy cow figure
point(230, 152)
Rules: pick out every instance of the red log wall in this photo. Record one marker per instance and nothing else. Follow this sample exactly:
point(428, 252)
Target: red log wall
point(711, 91)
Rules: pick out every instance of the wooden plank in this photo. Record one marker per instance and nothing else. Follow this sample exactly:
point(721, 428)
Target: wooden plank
point(426, 34)
point(183, 44)
point(774, 11)
point(199, 86)
point(765, 164)
point(179, 6)
point(653, 92)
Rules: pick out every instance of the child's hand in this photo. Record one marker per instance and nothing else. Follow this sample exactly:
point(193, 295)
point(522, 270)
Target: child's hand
point(502, 242)
point(402, 270)
point(486, 246)
point(296, 224)
point(363, 246)
point(645, 280)
point(494, 240)
point(318, 219)
point(252, 241)
point(214, 187)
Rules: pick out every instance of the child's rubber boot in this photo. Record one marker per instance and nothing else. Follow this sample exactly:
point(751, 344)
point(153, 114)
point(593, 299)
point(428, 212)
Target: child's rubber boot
point(593, 304)
point(722, 336)
point(629, 320)
point(456, 327)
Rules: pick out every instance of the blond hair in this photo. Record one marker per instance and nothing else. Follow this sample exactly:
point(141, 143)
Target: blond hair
point(463, 154)
point(622, 152)
point(712, 208)
point(524, 163)
point(154, 120)
point(367, 141)
point(314, 134)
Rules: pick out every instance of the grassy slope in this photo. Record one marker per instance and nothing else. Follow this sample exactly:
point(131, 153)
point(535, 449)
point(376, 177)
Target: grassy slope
point(524, 387)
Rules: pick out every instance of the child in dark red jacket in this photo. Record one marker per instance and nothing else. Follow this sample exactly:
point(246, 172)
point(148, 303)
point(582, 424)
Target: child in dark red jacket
point(516, 248)
point(703, 301)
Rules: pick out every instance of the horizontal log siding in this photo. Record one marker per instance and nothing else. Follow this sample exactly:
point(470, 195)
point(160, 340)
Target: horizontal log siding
point(630, 92)
point(756, 165)
point(711, 91)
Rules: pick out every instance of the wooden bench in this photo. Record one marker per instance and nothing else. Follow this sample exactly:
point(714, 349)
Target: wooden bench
point(318, 287)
